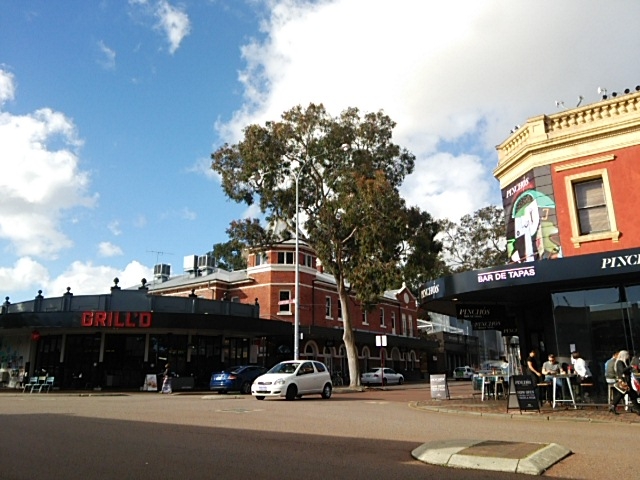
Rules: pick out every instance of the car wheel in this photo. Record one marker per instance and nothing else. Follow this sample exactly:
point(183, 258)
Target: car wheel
point(259, 397)
point(292, 392)
point(245, 388)
point(400, 381)
point(220, 392)
point(326, 391)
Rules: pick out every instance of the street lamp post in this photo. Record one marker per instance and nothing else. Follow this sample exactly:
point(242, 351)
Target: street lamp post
point(296, 305)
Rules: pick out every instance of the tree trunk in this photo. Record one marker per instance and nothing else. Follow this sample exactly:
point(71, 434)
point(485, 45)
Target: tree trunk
point(347, 337)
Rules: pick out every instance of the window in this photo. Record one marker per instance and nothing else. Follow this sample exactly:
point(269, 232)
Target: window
point(308, 261)
point(410, 326)
point(365, 317)
point(339, 310)
point(382, 318)
point(393, 322)
point(404, 324)
point(285, 258)
point(590, 207)
point(327, 307)
point(261, 259)
point(285, 296)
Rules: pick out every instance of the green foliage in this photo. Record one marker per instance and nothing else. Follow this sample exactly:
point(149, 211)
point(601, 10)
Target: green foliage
point(351, 211)
point(229, 255)
point(477, 241)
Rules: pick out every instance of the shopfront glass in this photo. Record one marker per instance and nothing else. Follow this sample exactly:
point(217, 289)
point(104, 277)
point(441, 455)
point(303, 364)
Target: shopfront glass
point(597, 323)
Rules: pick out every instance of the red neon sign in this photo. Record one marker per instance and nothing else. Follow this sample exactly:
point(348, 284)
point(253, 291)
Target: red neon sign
point(116, 319)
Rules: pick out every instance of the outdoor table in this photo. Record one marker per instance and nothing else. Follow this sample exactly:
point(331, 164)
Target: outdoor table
point(567, 378)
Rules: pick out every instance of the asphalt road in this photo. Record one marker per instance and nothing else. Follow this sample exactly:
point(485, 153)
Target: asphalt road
point(365, 435)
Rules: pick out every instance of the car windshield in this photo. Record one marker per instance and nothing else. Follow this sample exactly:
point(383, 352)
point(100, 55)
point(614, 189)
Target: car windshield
point(284, 368)
point(236, 369)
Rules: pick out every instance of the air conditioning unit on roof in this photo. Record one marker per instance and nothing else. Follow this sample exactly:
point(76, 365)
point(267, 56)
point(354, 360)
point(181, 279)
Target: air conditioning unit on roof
point(206, 261)
point(190, 263)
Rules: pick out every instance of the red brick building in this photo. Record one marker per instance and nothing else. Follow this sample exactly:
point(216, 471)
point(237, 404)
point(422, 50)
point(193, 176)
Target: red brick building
point(269, 281)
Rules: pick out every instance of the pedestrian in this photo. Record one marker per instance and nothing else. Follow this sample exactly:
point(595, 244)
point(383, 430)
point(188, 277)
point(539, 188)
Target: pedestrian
point(166, 380)
point(623, 384)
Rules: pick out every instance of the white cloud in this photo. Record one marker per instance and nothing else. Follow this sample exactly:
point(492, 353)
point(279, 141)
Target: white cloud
point(188, 214)
point(114, 227)
point(108, 249)
point(41, 179)
point(174, 22)
point(87, 279)
point(455, 76)
point(202, 166)
point(7, 87)
point(108, 56)
point(24, 273)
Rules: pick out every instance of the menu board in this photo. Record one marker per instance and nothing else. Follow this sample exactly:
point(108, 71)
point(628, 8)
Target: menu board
point(439, 386)
point(523, 393)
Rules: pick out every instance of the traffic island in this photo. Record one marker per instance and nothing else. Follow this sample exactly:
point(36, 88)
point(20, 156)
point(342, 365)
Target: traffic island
point(517, 457)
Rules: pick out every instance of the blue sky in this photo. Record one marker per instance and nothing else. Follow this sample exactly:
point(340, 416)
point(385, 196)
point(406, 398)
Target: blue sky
point(109, 110)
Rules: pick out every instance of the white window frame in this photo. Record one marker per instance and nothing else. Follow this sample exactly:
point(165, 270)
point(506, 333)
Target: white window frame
point(393, 322)
point(365, 317)
point(576, 237)
point(284, 309)
point(339, 311)
point(308, 261)
point(328, 308)
point(382, 324)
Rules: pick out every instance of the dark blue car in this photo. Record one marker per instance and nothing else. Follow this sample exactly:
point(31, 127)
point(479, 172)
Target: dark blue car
point(237, 378)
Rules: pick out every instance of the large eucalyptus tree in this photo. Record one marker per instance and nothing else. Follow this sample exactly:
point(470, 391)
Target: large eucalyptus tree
point(351, 213)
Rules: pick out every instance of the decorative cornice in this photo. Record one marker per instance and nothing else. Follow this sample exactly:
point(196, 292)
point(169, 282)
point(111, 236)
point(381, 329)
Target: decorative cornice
point(584, 163)
point(578, 132)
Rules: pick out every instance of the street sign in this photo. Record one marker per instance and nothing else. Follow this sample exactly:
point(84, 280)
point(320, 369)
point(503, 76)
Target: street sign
point(286, 302)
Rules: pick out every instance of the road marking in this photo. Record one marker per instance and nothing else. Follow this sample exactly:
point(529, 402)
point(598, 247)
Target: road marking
point(237, 410)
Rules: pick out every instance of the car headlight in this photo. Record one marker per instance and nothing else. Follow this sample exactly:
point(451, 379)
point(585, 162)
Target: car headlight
point(279, 381)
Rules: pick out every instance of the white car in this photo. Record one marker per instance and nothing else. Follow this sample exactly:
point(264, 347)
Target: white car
point(463, 373)
point(376, 375)
point(293, 379)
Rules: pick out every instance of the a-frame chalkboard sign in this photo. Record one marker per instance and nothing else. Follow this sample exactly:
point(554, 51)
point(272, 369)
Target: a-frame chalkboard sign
point(523, 394)
point(439, 386)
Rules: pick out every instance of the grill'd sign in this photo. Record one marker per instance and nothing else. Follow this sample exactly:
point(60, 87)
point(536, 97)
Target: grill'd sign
point(116, 319)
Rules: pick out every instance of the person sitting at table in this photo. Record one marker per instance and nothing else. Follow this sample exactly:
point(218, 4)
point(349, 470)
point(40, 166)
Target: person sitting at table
point(550, 369)
point(583, 374)
point(623, 376)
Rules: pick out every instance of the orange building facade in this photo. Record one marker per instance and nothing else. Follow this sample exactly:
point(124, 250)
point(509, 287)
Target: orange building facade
point(569, 184)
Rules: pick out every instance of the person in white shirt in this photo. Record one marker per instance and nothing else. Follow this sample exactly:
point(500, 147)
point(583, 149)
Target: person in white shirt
point(580, 366)
point(583, 374)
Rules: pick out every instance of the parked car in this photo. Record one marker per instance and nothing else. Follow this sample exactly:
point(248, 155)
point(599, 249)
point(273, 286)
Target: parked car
point(237, 378)
point(376, 376)
point(463, 373)
point(293, 379)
